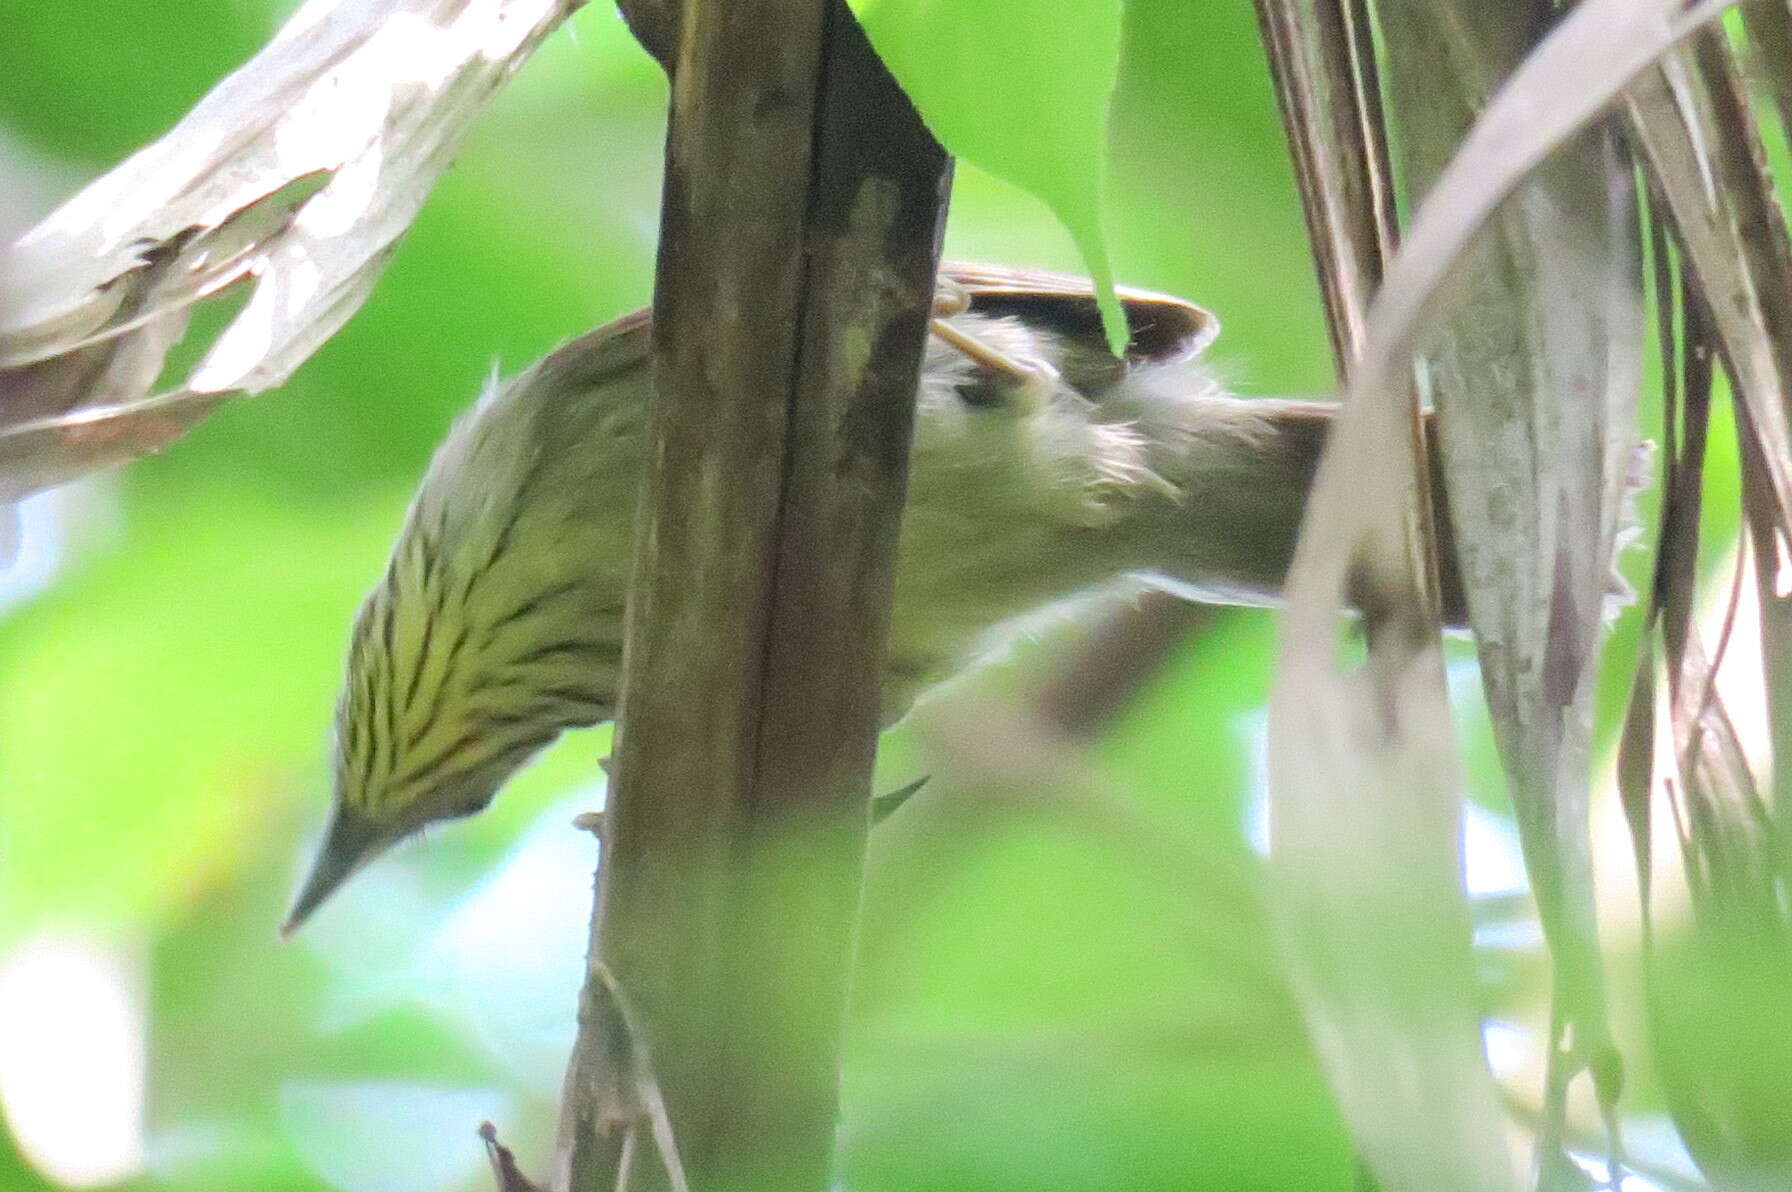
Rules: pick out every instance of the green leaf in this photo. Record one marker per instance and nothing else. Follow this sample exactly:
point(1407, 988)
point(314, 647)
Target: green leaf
point(165, 703)
point(1023, 95)
point(1100, 1004)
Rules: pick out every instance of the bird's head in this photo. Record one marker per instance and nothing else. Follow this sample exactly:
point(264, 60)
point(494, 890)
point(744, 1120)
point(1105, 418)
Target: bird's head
point(414, 746)
point(360, 830)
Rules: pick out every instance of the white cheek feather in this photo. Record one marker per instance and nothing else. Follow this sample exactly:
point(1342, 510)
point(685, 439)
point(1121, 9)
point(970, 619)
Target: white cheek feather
point(1192, 429)
point(1079, 458)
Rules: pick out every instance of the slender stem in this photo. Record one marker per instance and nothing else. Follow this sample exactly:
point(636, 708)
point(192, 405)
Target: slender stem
point(799, 240)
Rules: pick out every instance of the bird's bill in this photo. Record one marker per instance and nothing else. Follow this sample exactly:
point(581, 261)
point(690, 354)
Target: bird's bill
point(350, 842)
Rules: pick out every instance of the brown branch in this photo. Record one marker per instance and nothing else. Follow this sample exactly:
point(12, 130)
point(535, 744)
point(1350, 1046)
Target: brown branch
point(505, 1174)
point(1114, 658)
point(1322, 60)
point(798, 245)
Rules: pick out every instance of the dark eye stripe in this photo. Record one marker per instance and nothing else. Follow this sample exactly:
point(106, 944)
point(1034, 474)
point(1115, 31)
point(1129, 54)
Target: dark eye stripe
point(511, 754)
point(449, 763)
point(519, 504)
point(579, 650)
point(572, 693)
point(529, 608)
point(421, 769)
point(385, 657)
point(420, 662)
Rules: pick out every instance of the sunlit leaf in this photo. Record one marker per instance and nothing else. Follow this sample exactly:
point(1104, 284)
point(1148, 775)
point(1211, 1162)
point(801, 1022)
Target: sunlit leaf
point(1023, 96)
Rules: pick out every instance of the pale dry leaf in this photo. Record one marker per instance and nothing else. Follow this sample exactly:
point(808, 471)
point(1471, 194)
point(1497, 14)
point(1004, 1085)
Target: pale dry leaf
point(1534, 372)
point(1769, 25)
point(1364, 826)
point(1596, 51)
point(1365, 812)
point(1691, 116)
point(1365, 831)
point(293, 178)
point(1365, 842)
point(1694, 118)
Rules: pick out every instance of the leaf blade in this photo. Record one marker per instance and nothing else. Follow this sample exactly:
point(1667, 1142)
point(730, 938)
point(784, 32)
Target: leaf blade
point(1024, 98)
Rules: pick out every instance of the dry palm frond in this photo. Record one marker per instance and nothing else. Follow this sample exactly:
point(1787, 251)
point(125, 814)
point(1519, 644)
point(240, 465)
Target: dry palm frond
point(1321, 54)
point(294, 178)
point(1363, 814)
point(1769, 26)
point(1535, 377)
point(1718, 985)
point(1535, 372)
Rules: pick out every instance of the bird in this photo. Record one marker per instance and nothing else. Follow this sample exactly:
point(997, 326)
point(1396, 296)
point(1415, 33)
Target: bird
point(1041, 466)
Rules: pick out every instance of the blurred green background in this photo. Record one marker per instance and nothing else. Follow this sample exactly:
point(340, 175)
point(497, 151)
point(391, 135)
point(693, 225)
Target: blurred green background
point(1040, 1006)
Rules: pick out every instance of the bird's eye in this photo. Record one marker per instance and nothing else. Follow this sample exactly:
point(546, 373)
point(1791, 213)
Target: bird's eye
point(985, 392)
